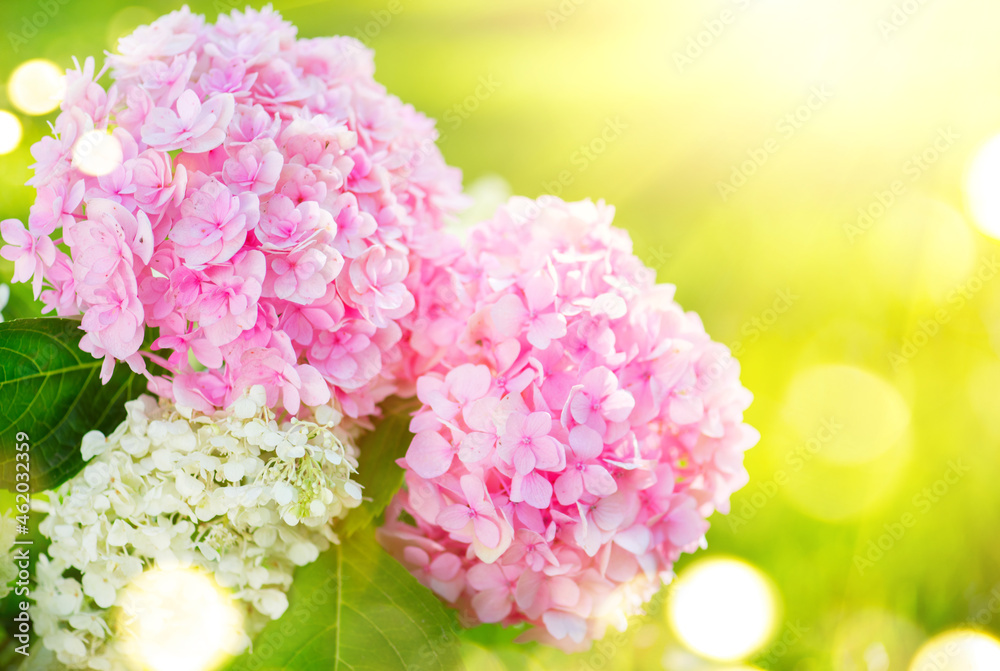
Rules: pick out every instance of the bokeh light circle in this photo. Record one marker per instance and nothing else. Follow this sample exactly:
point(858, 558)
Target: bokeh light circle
point(36, 87)
point(10, 132)
point(723, 609)
point(855, 416)
point(982, 188)
point(177, 619)
point(958, 650)
point(97, 153)
point(847, 442)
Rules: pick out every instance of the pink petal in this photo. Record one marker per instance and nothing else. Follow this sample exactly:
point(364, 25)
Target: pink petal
point(610, 512)
point(514, 428)
point(549, 455)
point(429, 455)
point(479, 414)
point(107, 368)
point(474, 489)
point(11, 252)
point(314, 389)
point(563, 591)
point(636, 540)
point(454, 517)
point(190, 232)
point(598, 481)
point(580, 407)
point(587, 536)
point(537, 424)
point(509, 315)
point(428, 388)
point(475, 447)
point(188, 105)
point(540, 292)
point(46, 250)
point(506, 353)
point(524, 459)
point(492, 605)
point(142, 246)
point(533, 488)
point(468, 382)
point(445, 567)
point(617, 406)
point(528, 589)
point(600, 382)
point(546, 328)
point(450, 590)
point(569, 487)
point(610, 305)
point(565, 625)
point(443, 407)
point(487, 531)
point(685, 525)
point(686, 409)
point(520, 382)
point(36, 282)
point(289, 396)
point(530, 517)
point(14, 233)
point(415, 556)
point(585, 442)
point(222, 106)
point(210, 140)
point(486, 576)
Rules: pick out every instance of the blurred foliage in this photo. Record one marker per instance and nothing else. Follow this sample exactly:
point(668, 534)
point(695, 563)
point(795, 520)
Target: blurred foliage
point(651, 104)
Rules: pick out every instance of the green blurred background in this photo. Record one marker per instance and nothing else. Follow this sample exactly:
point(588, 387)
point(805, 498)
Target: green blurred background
point(738, 141)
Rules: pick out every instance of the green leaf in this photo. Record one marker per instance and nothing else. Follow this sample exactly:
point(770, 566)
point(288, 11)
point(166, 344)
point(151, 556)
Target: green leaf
point(51, 390)
point(356, 609)
point(377, 469)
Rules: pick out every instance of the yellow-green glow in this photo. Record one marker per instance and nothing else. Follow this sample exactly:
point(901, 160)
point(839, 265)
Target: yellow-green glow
point(863, 414)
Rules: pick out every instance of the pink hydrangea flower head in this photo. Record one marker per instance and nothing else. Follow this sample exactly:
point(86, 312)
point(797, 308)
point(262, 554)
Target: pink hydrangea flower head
point(575, 433)
point(274, 207)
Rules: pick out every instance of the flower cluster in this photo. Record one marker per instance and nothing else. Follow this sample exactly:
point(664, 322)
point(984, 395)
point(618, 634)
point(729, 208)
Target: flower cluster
point(233, 493)
point(273, 220)
point(576, 436)
point(258, 199)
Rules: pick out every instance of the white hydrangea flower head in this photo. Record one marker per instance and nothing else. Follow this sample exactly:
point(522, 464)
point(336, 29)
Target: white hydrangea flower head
point(235, 493)
point(8, 567)
point(4, 297)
